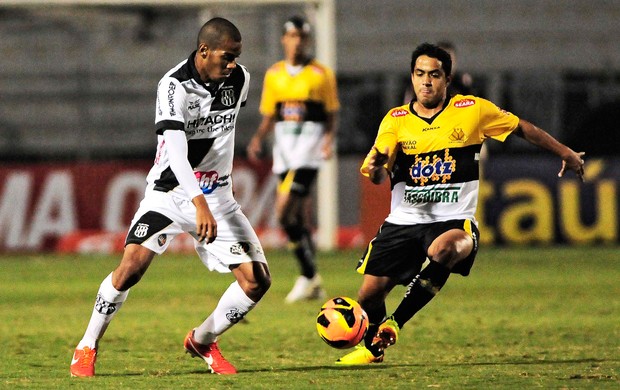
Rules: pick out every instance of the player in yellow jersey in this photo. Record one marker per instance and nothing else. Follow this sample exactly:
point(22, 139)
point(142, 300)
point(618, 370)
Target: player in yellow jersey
point(429, 149)
point(300, 104)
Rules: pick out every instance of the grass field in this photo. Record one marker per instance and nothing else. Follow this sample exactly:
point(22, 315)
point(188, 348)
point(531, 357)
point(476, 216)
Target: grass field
point(525, 318)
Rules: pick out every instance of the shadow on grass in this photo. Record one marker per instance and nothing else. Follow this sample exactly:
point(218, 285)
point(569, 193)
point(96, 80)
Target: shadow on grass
point(381, 366)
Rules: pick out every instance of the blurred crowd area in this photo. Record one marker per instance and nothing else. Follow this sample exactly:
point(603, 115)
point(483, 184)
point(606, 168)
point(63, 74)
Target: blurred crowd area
point(79, 82)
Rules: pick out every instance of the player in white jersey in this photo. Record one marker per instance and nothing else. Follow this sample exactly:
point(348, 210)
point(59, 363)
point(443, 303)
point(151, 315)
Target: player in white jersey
point(190, 190)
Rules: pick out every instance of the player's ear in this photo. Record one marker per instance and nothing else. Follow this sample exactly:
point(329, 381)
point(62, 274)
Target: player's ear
point(202, 50)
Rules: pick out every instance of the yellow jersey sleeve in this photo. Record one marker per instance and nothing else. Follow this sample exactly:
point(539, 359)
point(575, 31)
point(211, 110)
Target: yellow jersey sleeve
point(494, 122)
point(387, 137)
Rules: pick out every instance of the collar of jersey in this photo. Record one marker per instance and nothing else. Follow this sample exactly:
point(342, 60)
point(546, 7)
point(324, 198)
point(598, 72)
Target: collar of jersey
point(211, 87)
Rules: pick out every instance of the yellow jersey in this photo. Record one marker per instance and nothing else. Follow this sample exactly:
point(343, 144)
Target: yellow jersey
point(299, 99)
point(434, 162)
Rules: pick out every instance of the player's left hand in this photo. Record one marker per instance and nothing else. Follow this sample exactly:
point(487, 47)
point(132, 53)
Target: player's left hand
point(574, 162)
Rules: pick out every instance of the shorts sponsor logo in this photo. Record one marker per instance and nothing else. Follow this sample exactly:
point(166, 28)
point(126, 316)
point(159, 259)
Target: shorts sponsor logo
point(161, 240)
point(141, 230)
point(399, 112)
point(228, 97)
point(464, 103)
point(240, 248)
point(234, 316)
point(436, 170)
point(104, 307)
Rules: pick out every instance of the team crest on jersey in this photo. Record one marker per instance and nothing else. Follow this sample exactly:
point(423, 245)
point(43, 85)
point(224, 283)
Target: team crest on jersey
point(227, 97)
point(399, 112)
point(464, 103)
point(436, 170)
point(193, 105)
point(458, 135)
point(141, 230)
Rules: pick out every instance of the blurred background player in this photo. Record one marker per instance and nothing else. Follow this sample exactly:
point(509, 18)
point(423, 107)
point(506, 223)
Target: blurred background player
point(190, 190)
point(430, 149)
point(460, 82)
point(300, 104)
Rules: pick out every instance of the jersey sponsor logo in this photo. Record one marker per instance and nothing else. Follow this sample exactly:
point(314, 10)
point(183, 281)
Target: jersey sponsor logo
point(458, 135)
point(104, 307)
point(240, 248)
point(399, 112)
point(227, 96)
point(293, 111)
point(441, 195)
point(464, 103)
point(408, 145)
point(211, 120)
point(207, 181)
point(436, 170)
point(171, 89)
point(141, 230)
point(430, 128)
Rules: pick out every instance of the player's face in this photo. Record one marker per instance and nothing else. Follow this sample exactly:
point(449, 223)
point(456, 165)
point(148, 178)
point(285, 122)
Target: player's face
point(295, 44)
point(219, 63)
point(429, 81)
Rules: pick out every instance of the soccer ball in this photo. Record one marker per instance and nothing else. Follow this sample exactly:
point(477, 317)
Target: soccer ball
point(342, 323)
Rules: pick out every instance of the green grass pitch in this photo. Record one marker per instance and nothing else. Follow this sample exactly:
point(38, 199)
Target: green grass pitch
point(524, 318)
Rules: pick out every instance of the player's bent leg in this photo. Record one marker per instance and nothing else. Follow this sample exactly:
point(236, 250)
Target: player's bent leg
point(253, 281)
point(371, 297)
point(112, 294)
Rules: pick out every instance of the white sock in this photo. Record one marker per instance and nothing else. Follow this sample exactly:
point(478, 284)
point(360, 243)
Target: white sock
point(231, 308)
point(109, 301)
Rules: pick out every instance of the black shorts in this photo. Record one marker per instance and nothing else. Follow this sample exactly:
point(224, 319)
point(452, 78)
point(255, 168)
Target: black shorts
point(399, 251)
point(297, 181)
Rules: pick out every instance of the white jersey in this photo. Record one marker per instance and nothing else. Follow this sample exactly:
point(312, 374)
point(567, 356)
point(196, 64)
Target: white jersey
point(207, 114)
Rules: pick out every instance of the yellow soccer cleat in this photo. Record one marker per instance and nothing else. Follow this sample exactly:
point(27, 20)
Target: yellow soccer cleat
point(386, 335)
point(360, 356)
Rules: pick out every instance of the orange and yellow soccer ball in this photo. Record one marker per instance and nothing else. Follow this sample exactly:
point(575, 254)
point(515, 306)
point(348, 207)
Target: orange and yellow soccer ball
point(341, 322)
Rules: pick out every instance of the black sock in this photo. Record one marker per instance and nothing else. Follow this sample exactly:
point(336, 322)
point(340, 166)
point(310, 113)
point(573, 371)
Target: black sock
point(420, 291)
point(375, 317)
point(303, 248)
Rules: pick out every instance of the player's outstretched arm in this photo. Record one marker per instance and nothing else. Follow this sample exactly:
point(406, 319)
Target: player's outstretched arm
point(571, 160)
point(377, 173)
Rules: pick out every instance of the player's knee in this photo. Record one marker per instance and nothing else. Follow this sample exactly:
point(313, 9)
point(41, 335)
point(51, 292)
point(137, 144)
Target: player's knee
point(449, 253)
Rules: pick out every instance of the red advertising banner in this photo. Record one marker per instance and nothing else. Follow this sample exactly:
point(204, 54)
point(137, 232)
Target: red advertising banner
point(88, 206)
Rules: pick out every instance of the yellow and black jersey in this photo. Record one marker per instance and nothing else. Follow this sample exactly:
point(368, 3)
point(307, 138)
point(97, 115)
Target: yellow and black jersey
point(299, 99)
point(434, 163)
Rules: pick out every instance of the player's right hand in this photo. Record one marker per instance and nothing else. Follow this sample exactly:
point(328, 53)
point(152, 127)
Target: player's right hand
point(206, 225)
point(379, 158)
point(254, 149)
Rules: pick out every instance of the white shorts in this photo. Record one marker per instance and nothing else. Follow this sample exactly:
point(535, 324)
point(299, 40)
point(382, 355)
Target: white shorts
point(162, 216)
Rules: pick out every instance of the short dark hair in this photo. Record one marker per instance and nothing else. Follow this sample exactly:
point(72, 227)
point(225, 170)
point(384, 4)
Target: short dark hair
point(433, 51)
point(296, 22)
point(215, 31)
